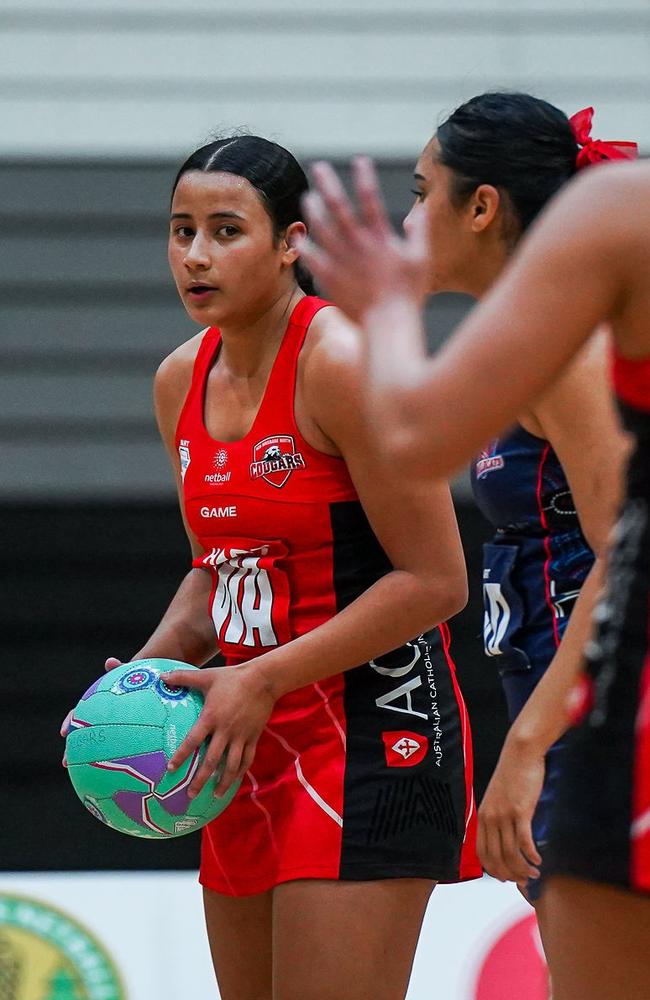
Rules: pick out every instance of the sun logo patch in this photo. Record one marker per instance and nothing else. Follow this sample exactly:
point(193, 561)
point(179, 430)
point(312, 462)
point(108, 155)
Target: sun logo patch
point(170, 692)
point(136, 680)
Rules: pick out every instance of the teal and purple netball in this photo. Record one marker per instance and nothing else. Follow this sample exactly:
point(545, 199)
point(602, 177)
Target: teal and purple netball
point(122, 735)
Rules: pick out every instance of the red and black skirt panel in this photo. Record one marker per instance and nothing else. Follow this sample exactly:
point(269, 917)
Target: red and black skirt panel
point(408, 801)
point(367, 775)
point(364, 775)
point(408, 783)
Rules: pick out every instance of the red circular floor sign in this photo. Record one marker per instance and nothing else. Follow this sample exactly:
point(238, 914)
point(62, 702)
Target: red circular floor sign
point(514, 966)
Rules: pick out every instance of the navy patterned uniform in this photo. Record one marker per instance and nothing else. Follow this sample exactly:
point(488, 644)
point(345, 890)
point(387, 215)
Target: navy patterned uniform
point(532, 570)
point(601, 824)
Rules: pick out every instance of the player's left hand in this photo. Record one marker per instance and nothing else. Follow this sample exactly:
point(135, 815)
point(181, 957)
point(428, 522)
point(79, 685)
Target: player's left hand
point(237, 707)
point(353, 252)
point(111, 662)
point(505, 840)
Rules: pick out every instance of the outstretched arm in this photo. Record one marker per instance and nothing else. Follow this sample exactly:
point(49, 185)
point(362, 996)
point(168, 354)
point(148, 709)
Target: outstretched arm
point(563, 281)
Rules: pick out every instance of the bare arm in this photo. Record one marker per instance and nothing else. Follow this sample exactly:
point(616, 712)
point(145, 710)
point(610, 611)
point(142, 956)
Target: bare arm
point(186, 632)
point(578, 417)
point(567, 276)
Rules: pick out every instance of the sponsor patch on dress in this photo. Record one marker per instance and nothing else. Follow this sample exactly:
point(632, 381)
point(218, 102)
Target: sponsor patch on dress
point(404, 748)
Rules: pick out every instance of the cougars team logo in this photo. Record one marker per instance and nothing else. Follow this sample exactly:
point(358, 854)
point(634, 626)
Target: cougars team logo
point(275, 458)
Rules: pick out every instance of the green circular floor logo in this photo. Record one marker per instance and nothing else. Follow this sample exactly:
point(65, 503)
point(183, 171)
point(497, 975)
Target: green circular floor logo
point(46, 955)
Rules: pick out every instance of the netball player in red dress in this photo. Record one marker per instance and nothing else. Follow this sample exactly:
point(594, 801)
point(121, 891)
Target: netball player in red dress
point(587, 261)
point(325, 584)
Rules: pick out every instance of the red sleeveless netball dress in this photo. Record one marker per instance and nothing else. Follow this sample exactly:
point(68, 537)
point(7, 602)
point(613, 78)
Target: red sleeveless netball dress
point(364, 775)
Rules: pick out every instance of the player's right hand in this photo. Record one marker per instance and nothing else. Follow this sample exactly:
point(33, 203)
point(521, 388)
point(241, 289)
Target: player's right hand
point(110, 663)
point(505, 840)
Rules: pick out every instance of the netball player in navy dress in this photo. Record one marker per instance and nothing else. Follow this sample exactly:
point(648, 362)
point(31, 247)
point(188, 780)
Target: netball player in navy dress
point(576, 269)
point(547, 484)
point(533, 570)
point(326, 588)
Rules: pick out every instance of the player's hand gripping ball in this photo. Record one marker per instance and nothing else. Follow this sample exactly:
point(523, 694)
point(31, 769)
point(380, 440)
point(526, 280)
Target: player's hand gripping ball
point(121, 736)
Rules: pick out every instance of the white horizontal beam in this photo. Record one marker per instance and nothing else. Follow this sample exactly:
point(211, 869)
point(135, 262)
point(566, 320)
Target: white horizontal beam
point(335, 127)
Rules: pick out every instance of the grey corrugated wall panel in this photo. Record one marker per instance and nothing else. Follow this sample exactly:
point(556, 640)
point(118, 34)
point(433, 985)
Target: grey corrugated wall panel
point(87, 312)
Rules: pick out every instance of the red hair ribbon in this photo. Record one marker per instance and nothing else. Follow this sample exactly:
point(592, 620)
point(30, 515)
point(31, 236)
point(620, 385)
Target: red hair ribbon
point(597, 150)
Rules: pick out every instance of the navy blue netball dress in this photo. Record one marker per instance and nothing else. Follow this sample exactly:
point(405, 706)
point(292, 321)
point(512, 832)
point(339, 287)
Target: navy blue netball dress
point(601, 823)
point(532, 571)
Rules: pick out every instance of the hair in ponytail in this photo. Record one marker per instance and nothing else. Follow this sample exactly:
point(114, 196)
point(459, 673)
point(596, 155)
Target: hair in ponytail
point(522, 145)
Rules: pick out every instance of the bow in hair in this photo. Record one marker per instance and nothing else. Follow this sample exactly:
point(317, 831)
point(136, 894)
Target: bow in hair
point(597, 150)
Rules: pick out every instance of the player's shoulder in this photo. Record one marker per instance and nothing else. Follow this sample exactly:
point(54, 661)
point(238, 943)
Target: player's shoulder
point(618, 192)
point(623, 198)
point(332, 370)
point(599, 221)
point(334, 345)
point(624, 175)
point(172, 382)
point(182, 358)
point(175, 371)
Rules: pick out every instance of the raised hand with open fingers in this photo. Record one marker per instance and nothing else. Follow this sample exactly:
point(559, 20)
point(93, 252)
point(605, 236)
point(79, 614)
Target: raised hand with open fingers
point(237, 707)
point(354, 254)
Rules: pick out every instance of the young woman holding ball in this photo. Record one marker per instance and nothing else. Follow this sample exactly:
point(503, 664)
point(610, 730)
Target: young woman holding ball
point(326, 586)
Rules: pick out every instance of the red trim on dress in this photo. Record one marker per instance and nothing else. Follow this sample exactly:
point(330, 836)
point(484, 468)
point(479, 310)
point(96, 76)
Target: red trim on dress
point(640, 845)
point(469, 866)
point(547, 547)
point(631, 378)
